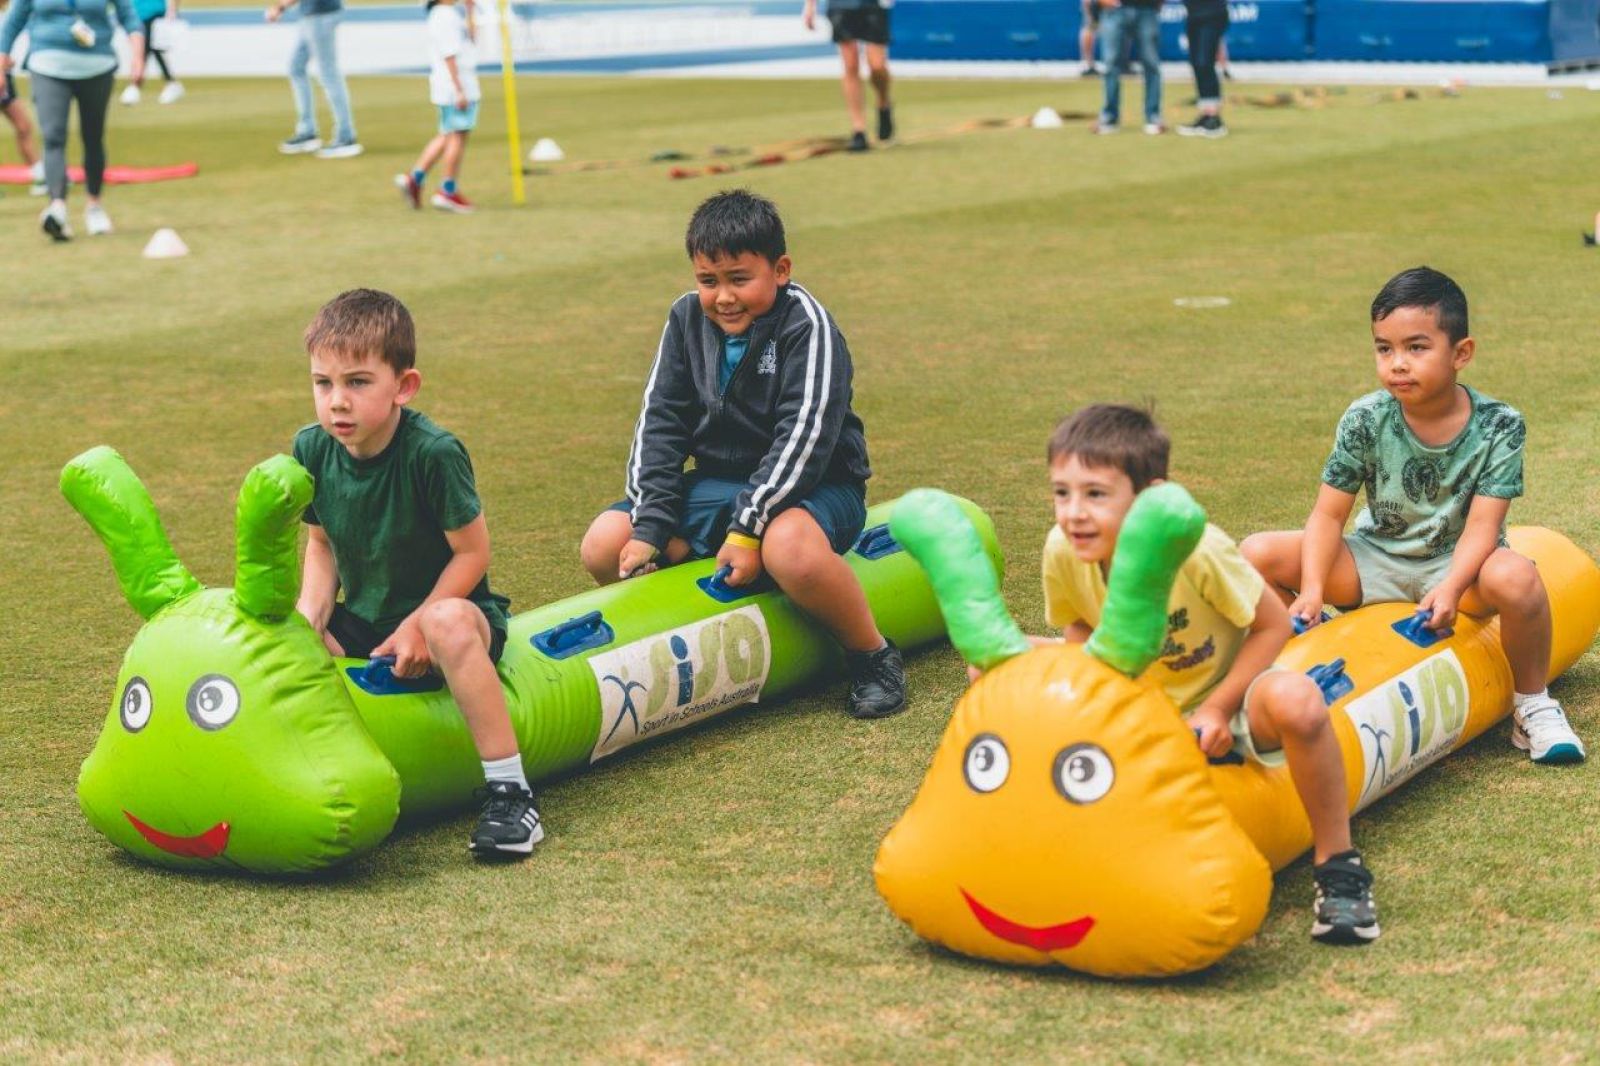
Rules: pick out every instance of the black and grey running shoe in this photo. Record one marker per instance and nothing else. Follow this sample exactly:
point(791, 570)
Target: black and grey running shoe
point(1346, 913)
point(509, 824)
point(877, 682)
point(858, 142)
point(885, 123)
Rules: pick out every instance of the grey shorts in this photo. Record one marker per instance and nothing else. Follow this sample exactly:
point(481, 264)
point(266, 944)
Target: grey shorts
point(1244, 745)
point(1389, 578)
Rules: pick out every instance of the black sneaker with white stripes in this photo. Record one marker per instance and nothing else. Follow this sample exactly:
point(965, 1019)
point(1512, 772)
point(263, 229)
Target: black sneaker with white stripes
point(1346, 912)
point(509, 825)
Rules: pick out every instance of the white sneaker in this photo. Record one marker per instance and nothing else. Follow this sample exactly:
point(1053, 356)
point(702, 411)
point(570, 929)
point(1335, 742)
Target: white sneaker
point(1155, 129)
point(340, 150)
point(1539, 727)
point(53, 220)
point(96, 221)
point(171, 93)
point(131, 95)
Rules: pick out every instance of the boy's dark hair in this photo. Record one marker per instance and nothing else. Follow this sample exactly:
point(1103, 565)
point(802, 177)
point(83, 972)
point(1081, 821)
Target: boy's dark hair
point(1114, 435)
point(1427, 288)
point(733, 222)
point(362, 323)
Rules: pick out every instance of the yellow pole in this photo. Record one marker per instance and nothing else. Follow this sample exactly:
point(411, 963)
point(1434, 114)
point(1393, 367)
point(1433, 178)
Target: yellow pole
point(513, 133)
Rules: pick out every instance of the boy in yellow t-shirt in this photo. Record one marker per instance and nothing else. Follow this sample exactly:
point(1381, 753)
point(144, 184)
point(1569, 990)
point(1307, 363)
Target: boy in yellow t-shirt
point(1224, 629)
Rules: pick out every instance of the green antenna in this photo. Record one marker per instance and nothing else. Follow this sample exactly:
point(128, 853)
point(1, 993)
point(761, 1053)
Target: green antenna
point(932, 527)
point(266, 580)
point(102, 488)
point(1161, 529)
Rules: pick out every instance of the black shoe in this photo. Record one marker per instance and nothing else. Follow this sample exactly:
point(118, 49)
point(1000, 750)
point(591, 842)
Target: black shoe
point(1588, 238)
point(885, 123)
point(509, 824)
point(858, 142)
point(1088, 70)
point(1346, 913)
point(877, 682)
point(1205, 126)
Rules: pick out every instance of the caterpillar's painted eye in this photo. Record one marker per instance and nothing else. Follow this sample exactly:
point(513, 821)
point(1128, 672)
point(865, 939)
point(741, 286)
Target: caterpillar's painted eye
point(136, 705)
point(213, 701)
point(988, 763)
point(1084, 773)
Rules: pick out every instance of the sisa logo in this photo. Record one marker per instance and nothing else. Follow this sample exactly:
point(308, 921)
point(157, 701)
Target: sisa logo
point(1409, 722)
point(667, 681)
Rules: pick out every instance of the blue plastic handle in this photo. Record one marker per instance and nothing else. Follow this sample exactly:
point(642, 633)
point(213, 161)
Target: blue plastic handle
point(1230, 758)
point(1332, 680)
point(377, 677)
point(877, 542)
point(568, 638)
point(1416, 631)
point(1299, 624)
point(716, 586)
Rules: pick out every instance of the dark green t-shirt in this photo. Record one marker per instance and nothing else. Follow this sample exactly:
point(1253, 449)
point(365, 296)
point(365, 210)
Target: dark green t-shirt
point(386, 517)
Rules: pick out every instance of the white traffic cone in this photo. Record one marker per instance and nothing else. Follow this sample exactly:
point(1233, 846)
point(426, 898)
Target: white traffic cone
point(546, 150)
point(165, 244)
point(1046, 118)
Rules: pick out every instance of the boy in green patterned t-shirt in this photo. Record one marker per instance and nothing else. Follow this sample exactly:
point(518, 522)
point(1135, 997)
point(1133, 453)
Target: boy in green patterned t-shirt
point(1440, 464)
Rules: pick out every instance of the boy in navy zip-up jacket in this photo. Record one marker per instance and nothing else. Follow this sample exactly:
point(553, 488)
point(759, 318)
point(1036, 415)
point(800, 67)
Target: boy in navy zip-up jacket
point(752, 382)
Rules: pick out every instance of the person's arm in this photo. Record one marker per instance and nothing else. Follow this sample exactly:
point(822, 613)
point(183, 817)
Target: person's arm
point(660, 448)
point(319, 580)
point(1318, 549)
point(21, 11)
point(134, 26)
point(1479, 538)
point(1269, 632)
point(446, 40)
point(814, 396)
point(468, 563)
point(809, 16)
point(275, 12)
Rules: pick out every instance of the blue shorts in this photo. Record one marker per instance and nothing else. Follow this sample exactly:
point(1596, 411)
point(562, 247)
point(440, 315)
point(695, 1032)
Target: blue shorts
point(840, 508)
point(454, 121)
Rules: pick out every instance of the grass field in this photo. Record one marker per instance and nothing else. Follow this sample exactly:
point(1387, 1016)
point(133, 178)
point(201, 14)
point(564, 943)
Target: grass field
point(710, 897)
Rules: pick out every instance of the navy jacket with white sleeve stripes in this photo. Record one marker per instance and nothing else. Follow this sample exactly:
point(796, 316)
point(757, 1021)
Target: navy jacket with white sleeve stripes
point(784, 424)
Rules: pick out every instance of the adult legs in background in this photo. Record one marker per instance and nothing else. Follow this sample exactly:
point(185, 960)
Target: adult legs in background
point(305, 120)
point(322, 31)
point(94, 99)
point(1115, 27)
point(878, 71)
point(850, 56)
point(52, 102)
point(1147, 38)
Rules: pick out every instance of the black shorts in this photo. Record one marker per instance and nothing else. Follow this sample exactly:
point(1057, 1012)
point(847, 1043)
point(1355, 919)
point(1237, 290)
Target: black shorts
point(8, 91)
point(358, 637)
point(869, 24)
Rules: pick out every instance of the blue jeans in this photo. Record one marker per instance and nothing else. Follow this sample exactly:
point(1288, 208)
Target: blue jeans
point(1140, 26)
point(317, 36)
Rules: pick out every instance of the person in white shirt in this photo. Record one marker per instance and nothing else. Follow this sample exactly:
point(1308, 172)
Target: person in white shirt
point(453, 88)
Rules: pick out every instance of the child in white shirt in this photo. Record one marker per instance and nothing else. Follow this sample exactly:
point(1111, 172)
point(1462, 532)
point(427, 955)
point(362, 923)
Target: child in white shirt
point(453, 88)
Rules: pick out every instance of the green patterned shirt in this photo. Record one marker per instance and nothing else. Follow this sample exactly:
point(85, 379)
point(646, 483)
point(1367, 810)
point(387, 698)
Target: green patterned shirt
point(1418, 496)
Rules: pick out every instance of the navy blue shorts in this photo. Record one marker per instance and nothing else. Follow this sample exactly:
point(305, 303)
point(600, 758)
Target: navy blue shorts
point(840, 508)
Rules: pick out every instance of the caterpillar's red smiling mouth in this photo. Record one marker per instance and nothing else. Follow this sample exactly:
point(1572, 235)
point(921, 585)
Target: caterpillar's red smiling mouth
point(1046, 938)
point(207, 845)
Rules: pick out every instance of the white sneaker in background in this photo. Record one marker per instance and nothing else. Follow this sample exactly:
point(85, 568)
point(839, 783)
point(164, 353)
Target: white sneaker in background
point(53, 220)
point(36, 175)
point(96, 221)
point(1540, 728)
point(131, 95)
point(172, 93)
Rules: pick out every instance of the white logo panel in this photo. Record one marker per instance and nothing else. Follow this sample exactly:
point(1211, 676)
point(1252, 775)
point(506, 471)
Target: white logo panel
point(669, 680)
point(1409, 722)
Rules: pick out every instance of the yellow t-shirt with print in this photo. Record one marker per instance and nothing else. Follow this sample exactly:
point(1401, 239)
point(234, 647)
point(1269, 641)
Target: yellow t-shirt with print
point(1212, 607)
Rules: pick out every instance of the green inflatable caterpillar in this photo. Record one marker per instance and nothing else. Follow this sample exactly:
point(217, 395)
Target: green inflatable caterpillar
point(235, 741)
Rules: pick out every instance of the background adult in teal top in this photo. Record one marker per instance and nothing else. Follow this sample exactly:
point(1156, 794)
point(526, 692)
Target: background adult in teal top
point(70, 58)
point(148, 11)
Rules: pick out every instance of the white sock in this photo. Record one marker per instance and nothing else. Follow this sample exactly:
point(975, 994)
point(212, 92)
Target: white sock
point(507, 769)
point(1522, 699)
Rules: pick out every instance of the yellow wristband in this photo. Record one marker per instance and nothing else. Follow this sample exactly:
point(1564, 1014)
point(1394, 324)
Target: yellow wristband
point(742, 540)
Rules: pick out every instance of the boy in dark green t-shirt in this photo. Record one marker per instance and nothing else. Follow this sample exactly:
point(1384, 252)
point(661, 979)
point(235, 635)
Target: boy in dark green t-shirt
point(396, 522)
